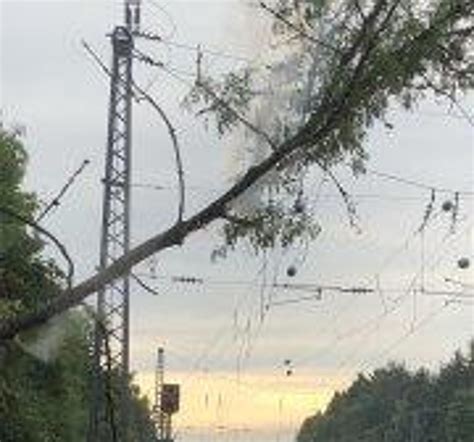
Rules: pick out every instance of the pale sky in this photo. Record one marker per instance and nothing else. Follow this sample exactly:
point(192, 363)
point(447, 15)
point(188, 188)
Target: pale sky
point(231, 362)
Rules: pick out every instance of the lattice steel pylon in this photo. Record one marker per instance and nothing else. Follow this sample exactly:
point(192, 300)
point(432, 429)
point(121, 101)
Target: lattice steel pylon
point(166, 401)
point(158, 414)
point(109, 417)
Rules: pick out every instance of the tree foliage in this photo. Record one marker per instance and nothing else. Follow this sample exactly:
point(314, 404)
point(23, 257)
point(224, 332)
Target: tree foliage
point(27, 279)
point(49, 399)
point(395, 405)
point(46, 400)
point(337, 68)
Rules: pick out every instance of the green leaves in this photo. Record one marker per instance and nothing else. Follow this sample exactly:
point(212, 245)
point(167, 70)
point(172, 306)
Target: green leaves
point(334, 70)
point(269, 227)
point(49, 399)
point(222, 101)
point(46, 401)
point(26, 279)
point(13, 162)
point(395, 405)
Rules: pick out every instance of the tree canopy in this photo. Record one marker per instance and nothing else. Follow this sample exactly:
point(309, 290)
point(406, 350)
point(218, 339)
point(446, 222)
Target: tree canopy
point(340, 67)
point(395, 405)
point(336, 70)
point(27, 279)
point(49, 399)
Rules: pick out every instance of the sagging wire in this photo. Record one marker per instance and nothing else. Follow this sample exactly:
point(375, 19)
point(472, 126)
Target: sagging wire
point(250, 333)
point(60, 246)
point(176, 148)
point(301, 32)
point(168, 15)
point(415, 183)
point(140, 94)
point(144, 285)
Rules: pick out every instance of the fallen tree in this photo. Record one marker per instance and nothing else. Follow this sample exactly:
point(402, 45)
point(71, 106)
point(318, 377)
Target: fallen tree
point(357, 58)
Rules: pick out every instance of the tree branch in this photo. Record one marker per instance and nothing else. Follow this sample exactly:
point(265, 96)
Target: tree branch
point(451, 98)
point(350, 207)
point(238, 220)
point(42, 230)
point(236, 114)
point(297, 29)
point(359, 10)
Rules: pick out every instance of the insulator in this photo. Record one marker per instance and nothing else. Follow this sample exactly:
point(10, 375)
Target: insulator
point(128, 15)
point(137, 16)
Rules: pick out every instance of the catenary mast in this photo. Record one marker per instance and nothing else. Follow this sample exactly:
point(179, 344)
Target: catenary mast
point(109, 419)
point(167, 399)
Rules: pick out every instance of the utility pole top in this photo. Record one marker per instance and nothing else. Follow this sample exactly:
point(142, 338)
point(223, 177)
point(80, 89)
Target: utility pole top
point(132, 15)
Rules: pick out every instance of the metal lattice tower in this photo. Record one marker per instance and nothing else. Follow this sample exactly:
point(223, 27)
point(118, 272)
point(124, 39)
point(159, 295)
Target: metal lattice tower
point(161, 416)
point(109, 417)
point(159, 381)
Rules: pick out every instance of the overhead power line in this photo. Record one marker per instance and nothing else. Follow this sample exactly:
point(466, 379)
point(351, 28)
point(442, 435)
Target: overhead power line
point(419, 184)
point(317, 289)
point(60, 246)
point(395, 197)
point(192, 48)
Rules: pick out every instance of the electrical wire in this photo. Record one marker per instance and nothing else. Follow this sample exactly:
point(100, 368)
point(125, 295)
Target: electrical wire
point(213, 53)
point(60, 246)
point(372, 324)
point(411, 332)
point(156, 5)
point(416, 183)
point(57, 200)
point(396, 198)
point(400, 300)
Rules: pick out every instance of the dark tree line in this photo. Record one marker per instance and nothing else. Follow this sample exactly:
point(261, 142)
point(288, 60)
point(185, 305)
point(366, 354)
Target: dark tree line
point(50, 400)
point(395, 405)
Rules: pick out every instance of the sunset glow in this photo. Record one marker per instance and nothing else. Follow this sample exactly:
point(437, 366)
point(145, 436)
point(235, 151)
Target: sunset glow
point(222, 402)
